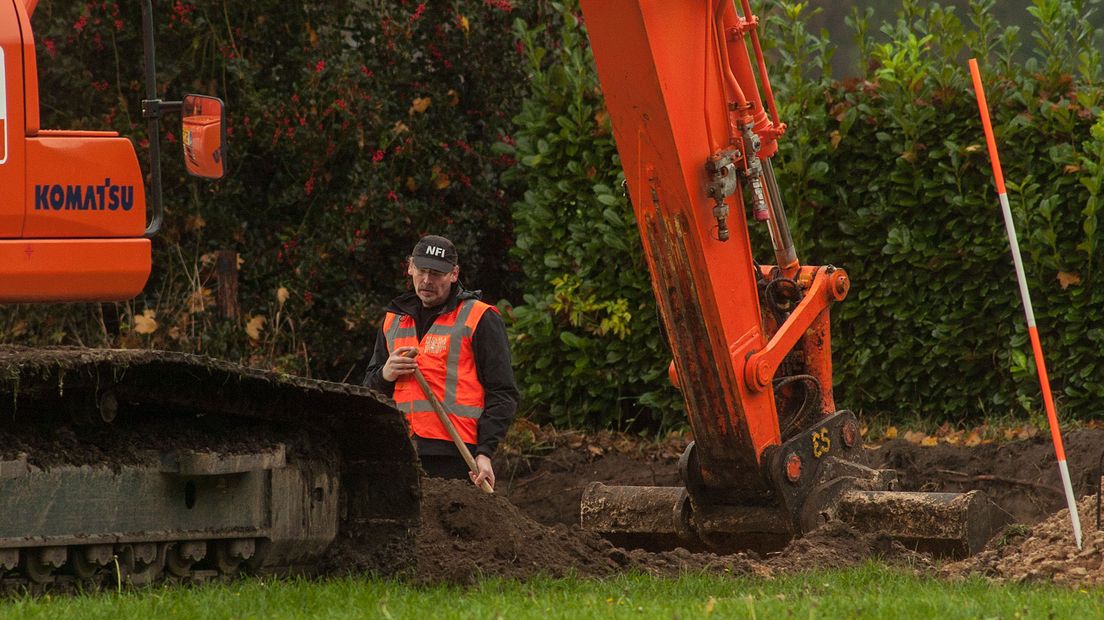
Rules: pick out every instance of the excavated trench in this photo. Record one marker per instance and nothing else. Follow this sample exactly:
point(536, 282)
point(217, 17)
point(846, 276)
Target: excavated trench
point(529, 527)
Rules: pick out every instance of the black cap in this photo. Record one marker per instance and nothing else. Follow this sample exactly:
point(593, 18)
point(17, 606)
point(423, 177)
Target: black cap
point(434, 252)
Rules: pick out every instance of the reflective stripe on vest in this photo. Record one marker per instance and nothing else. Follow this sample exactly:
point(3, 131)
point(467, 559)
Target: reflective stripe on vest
point(448, 364)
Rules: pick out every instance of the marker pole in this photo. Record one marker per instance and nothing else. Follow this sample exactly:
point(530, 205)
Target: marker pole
point(1040, 364)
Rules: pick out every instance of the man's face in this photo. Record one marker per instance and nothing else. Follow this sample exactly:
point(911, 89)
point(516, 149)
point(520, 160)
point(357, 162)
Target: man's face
point(432, 287)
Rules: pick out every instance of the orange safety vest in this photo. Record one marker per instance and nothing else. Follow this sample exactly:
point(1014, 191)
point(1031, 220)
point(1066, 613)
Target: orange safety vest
point(446, 360)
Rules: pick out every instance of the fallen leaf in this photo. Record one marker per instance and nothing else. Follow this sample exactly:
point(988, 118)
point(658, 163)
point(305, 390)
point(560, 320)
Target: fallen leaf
point(454, 97)
point(144, 323)
point(973, 148)
point(891, 432)
point(1066, 278)
point(282, 296)
point(835, 137)
point(419, 105)
point(254, 326)
point(595, 450)
point(972, 440)
point(929, 441)
point(1071, 169)
point(709, 606)
point(399, 127)
point(465, 25)
point(914, 436)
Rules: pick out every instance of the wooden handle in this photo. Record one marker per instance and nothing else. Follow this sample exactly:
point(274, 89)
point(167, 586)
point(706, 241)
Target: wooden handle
point(447, 423)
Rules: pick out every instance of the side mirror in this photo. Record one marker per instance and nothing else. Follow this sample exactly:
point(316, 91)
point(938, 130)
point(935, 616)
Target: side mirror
point(203, 135)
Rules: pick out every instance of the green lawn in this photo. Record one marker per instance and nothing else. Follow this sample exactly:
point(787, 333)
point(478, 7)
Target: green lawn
point(871, 591)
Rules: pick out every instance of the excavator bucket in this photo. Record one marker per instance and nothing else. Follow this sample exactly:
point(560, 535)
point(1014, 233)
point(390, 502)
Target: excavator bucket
point(155, 464)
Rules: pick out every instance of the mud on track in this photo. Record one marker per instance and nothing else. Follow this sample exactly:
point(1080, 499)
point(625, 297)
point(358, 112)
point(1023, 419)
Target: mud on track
point(529, 527)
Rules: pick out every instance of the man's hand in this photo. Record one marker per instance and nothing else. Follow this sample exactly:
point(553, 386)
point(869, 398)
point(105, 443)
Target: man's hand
point(400, 362)
point(486, 472)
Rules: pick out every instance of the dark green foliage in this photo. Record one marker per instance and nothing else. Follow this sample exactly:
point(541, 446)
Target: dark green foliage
point(586, 346)
point(886, 176)
point(934, 322)
point(354, 127)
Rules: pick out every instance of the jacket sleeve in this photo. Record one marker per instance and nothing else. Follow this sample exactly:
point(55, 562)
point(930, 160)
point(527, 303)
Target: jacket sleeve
point(496, 374)
point(374, 377)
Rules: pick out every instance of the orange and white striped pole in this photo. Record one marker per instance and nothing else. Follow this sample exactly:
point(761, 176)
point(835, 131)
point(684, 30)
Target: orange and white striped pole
point(1033, 332)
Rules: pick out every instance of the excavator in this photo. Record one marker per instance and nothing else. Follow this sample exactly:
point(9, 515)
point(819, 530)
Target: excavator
point(696, 127)
point(143, 465)
point(136, 465)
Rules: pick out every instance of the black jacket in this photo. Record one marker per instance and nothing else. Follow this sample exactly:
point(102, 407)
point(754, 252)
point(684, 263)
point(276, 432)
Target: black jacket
point(492, 366)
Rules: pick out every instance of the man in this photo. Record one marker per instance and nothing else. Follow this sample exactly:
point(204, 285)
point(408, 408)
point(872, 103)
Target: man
point(460, 345)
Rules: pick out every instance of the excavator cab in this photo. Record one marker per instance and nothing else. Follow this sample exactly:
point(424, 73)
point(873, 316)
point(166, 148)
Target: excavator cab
point(73, 218)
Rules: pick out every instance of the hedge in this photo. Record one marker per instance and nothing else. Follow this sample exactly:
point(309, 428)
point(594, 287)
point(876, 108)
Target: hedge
point(885, 175)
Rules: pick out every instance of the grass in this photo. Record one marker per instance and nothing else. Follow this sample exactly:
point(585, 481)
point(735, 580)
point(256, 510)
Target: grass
point(870, 591)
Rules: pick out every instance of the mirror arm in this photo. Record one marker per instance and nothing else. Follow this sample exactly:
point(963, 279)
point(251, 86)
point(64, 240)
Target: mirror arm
point(156, 108)
point(151, 109)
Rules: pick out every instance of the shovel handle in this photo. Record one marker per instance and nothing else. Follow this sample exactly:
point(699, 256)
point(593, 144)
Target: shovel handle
point(439, 409)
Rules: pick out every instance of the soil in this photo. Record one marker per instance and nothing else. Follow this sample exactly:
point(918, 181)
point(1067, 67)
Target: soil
point(1045, 552)
point(466, 535)
point(1020, 477)
point(529, 527)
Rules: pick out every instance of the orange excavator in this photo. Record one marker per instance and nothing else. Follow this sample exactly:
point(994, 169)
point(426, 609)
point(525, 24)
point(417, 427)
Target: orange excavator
point(696, 127)
point(135, 465)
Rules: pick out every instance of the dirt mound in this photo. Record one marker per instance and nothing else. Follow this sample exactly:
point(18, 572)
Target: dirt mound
point(466, 535)
point(1045, 552)
point(838, 545)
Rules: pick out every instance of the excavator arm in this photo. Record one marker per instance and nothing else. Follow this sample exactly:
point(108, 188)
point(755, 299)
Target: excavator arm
point(696, 128)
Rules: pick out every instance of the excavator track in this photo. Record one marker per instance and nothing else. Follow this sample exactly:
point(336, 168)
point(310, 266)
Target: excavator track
point(136, 466)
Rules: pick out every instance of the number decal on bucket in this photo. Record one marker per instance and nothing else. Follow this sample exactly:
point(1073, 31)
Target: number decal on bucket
point(822, 443)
